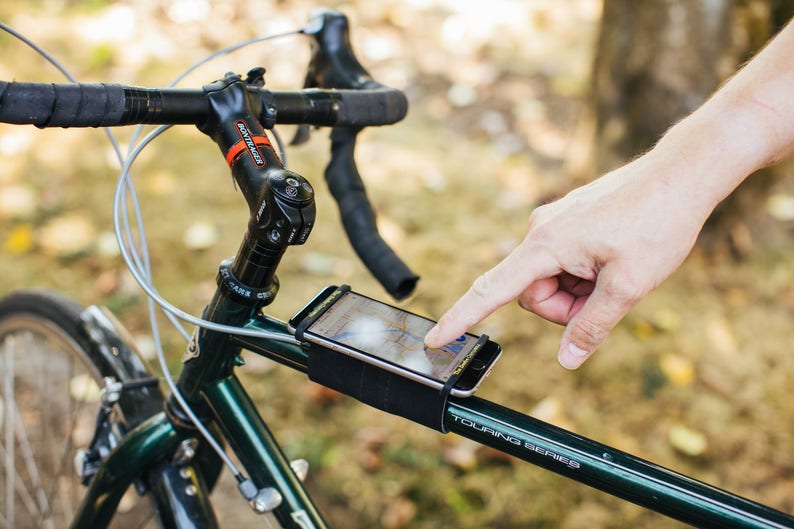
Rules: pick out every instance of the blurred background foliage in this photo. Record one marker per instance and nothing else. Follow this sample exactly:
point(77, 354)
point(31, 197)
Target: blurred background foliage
point(512, 104)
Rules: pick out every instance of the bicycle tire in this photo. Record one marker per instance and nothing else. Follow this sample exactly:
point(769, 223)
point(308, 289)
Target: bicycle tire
point(49, 394)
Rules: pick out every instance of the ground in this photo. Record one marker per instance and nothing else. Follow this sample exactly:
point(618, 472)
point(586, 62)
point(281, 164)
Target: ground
point(696, 378)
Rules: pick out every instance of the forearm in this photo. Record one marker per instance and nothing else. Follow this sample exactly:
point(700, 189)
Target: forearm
point(746, 125)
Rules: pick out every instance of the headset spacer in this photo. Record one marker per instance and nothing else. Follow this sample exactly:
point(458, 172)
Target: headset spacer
point(241, 292)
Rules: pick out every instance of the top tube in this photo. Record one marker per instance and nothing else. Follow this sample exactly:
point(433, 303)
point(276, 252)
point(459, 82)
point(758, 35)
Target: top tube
point(571, 455)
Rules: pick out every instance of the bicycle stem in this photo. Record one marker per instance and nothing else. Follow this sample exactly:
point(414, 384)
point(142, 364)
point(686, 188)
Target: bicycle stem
point(282, 213)
point(280, 202)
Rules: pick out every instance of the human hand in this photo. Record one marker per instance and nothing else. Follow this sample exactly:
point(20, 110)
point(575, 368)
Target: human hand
point(590, 257)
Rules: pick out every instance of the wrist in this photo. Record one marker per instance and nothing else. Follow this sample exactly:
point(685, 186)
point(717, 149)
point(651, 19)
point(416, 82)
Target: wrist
point(714, 149)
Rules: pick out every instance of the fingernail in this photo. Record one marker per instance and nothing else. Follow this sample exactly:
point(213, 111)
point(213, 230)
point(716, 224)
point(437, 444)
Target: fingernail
point(571, 356)
point(432, 334)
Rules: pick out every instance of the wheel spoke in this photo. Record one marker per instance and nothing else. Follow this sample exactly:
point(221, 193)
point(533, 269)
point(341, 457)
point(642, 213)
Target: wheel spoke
point(57, 453)
point(8, 399)
point(33, 472)
point(33, 495)
point(23, 492)
point(48, 392)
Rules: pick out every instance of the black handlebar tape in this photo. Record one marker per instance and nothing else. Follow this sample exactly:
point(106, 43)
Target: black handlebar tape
point(371, 106)
point(334, 66)
point(54, 105)
point(359, 221)
point(98, 105)
point(104, 105)
point(380, 105)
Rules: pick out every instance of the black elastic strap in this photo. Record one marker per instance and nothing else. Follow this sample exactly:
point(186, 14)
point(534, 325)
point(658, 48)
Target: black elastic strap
point(320, 309)
point(456, 374)
point(383, 389)
point(377, 387)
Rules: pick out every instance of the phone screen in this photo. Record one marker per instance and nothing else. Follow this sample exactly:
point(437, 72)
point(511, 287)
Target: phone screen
point(390, 334)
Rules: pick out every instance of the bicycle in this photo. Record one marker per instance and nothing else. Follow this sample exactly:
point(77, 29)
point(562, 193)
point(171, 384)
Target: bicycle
point(144, 438)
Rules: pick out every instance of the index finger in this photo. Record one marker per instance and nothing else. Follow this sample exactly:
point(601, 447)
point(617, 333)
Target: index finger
point(495, 288)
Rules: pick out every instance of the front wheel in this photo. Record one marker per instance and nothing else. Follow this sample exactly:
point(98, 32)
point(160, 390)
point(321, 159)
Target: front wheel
point(50, 379)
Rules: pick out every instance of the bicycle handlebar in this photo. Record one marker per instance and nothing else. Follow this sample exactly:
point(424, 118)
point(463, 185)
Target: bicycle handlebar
point(338, 92)
point(110, 105)
point(334, 65)
point(359, 219)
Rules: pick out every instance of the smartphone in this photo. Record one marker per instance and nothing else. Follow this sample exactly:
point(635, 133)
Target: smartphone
point(392, 339)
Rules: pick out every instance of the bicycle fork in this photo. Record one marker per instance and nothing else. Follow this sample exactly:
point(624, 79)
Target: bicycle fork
point(162, 455)
point(138, 450)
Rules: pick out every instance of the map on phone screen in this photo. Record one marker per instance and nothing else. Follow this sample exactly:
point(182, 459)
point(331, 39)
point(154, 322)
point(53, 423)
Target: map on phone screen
point(390, 334)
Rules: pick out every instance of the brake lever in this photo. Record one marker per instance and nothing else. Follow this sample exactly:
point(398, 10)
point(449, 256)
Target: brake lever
point(301, 136)
point(339, 69)
point(332, 64)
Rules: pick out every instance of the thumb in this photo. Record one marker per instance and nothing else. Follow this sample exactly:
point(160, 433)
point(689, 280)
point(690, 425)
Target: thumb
point(605, 307)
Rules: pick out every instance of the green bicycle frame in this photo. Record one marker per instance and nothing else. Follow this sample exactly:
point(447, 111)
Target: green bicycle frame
point(209, 383)
point(581, 459)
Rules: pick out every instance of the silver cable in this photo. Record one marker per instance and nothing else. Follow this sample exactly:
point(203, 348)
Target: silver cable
point(137, 257)
point(127, 248)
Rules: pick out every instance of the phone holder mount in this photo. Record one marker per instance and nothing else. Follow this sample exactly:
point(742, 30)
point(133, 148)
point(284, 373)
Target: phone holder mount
point(376, 386)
